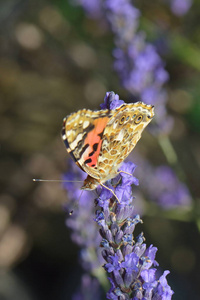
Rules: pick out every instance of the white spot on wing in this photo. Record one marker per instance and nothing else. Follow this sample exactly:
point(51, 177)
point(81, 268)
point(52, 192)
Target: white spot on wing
point(115, 125)
point(120, 136)
point(74, 144)
point(85, 124)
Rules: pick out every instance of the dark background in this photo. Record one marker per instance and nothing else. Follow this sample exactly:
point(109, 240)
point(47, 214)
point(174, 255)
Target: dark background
point(53, 61)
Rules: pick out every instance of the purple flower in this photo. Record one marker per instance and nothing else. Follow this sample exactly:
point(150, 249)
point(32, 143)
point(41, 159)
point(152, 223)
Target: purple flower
point(150, 255)
point(142, 73)
point(123, 18)
point(114, 263)
point(163, 290)
point(92, 8)
point(88, 290)
point(71, 181)
point(137, 62)
point(111, 101)
point(83, 228)
point(128, 262)
point(164, 188)
point(180, 7)
point(148, 275)
point(125, 170)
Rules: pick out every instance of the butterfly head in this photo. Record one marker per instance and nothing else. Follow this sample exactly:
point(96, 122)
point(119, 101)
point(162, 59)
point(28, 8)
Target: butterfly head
point(90, 183)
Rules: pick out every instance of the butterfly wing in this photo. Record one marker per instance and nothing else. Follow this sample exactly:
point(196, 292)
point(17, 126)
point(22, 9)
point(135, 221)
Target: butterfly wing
point(82, 133)
point(99, 141)
point(120, 136)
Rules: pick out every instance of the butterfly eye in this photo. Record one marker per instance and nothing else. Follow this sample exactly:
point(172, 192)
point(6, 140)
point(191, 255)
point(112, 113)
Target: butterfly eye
point(138, 119)
point(122, 120)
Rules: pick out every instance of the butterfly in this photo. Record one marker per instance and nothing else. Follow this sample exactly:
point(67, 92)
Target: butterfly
point(99, 141)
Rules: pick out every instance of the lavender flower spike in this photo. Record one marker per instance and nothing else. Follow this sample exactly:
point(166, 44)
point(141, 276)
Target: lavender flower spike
point(129, 263)
point(139, 66)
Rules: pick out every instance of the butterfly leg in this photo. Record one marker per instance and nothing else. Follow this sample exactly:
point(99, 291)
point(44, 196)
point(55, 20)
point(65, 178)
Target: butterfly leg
point(110, 191)
point(125, 173)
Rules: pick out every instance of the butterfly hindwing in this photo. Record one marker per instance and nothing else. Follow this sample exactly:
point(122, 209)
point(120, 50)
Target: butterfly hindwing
point(121, 135)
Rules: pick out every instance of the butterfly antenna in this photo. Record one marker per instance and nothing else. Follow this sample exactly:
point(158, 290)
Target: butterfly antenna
point(76, 204)
point(110, 191)
point(53, 180)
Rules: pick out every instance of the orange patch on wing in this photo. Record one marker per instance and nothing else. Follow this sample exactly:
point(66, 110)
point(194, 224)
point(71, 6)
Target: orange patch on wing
point(93, 138)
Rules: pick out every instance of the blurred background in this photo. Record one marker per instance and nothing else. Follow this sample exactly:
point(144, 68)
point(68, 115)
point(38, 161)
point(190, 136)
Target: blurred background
point(55, 60)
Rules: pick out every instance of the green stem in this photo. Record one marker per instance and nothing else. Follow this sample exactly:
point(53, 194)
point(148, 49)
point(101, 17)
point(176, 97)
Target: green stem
point(100, 274)
point(184, 215)
point(171, 156)
point(168, 150)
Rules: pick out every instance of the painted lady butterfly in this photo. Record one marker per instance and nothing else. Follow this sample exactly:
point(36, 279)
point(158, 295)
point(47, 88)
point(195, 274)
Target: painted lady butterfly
point(99, 141)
